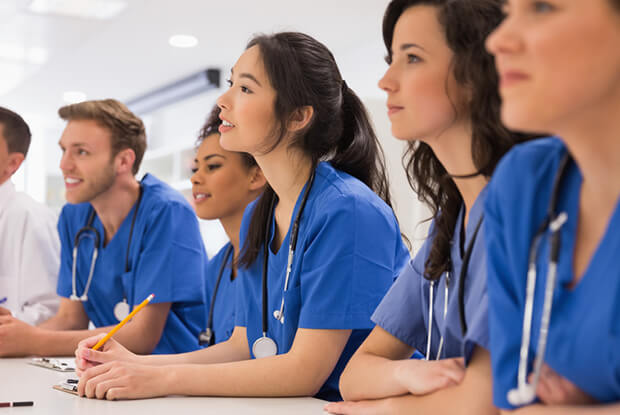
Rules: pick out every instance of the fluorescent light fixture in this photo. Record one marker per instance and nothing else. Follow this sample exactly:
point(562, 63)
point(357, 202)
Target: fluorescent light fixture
point(11, 75)
point(175, 92)
point(88, 9)
point(183, 41)
point(73, 97)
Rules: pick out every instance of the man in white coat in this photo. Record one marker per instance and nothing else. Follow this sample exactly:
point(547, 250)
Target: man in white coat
point(29, 244)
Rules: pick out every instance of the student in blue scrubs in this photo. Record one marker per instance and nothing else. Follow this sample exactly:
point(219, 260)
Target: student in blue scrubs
point(223, 183)
point(442, 98)
point(289, 107)
point(559, 64)
point(145, 234)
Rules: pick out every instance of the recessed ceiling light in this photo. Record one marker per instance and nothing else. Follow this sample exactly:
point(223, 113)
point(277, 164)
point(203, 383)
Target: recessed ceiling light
point(183, 41)
point(73, 97)
point(89, 9)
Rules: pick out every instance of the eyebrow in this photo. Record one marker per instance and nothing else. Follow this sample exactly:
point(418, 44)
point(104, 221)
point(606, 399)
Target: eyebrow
point(248, 76)
point(74, 144)
point(406, 46)
point(210, 156)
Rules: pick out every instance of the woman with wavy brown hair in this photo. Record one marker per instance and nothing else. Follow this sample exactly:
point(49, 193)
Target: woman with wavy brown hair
point(442, 98)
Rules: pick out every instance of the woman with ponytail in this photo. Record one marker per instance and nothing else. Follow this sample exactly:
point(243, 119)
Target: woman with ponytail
point(442, 98)
point(319, 248)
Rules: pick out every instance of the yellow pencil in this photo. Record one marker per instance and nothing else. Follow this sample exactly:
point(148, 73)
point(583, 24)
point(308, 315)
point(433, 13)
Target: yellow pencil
point(122, 323)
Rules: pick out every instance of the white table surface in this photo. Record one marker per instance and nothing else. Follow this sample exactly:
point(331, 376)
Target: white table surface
point(20, 381)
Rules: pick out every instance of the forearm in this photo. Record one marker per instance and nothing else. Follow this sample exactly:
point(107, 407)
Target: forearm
point(566, 410)
point(368, 376)
point(276, 376)
point(63, 322)
point(449, 401)
point(228, 351)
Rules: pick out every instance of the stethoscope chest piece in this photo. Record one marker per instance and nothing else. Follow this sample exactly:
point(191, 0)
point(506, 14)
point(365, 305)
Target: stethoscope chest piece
point(264, 347)
point(121, 310)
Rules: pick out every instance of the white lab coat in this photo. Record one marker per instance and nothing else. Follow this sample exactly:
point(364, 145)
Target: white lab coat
point(29, 256)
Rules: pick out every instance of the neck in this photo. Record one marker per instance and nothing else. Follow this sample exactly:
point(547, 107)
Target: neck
point(453, 149)
point(594, 144)
point(286, 171)
point(232, 225)
point(114, 204)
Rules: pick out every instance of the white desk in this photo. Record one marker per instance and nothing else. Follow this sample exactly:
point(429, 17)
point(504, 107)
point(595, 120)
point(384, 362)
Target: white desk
point(20, 381)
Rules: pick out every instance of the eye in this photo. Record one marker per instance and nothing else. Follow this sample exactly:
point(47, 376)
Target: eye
point(194, 170)
point(82, 152)
point(245, 90)
point(542, 7)
point(212, 167)
point(229, 82)
point(388, 59)
point(411, 58)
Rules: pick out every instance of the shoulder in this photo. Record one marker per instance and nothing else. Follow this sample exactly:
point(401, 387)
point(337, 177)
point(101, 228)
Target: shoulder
point(339, 192)
point(159, 196)
point(528, 162)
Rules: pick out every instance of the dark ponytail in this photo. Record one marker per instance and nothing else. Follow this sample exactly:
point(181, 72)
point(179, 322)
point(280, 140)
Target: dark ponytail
point(466, 25)
point(303, 72)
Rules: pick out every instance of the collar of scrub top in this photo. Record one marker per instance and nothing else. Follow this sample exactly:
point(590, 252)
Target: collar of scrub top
point(525, 392)
point(207, 337)
point(265, 346)
point(431, 289)
point(91, 232)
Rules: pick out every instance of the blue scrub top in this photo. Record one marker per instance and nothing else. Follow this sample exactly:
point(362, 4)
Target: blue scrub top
point(166, 258)
point(224, 309)
point(349, 251)
point(583, 344)
point(404, 310)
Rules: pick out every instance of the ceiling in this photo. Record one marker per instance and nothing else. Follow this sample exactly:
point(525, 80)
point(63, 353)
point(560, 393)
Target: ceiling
point(129, 55)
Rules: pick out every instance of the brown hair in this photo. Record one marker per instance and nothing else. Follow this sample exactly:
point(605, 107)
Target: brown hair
point(126, 129)
point(466, 24)
point(15, 131)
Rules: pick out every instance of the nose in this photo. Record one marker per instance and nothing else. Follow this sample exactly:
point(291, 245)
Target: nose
point(388, 82)
point(66, 162)
point(504, 39)
point(223, 101)
point(196, 178)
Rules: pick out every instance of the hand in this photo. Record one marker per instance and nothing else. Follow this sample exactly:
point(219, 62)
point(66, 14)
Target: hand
point(553, 389)
point(5, 311)
point(16, 337)
point(121, 380)
point(421, 377)
point(85, 357)
point(379, 406)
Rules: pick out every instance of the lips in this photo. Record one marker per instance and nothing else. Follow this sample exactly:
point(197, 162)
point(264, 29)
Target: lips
point(226, 126)
point(394, 109)
point(201, 197)
point(512, 77)
point(72, 181)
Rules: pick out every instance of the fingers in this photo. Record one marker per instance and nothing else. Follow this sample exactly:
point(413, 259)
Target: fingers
point(91, 373)
point(5, 311)
point(453, 369)
point(339, 407)
point(91, 341)
point(6, 318)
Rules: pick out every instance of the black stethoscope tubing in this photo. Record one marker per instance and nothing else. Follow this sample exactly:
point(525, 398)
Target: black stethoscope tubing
point(292, 246)
point(207, 337)
point(89, 228)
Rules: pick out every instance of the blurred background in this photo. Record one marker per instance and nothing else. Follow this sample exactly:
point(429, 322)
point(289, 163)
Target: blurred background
point(168, 60)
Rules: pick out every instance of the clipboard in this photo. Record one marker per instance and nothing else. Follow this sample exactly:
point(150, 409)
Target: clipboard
point(61, 365)
point(68, 386)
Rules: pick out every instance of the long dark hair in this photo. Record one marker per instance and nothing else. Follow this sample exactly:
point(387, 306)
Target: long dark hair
point(303, 72)
point(466, 24)
point(211, 126)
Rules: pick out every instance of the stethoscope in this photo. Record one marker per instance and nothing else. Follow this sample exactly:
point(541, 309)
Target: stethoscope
point(525, 392)
point(265, 346)
point(431, 289)
point(121, 309)
point(207, 337)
